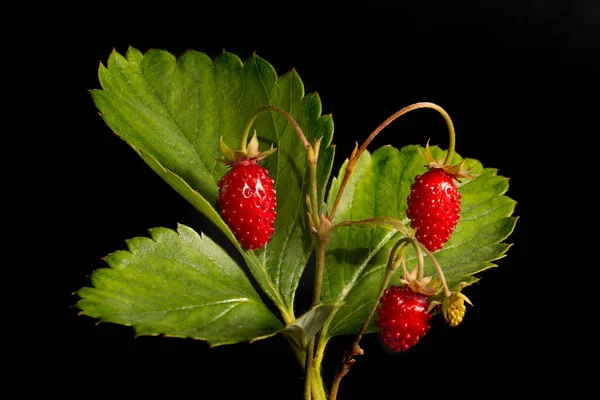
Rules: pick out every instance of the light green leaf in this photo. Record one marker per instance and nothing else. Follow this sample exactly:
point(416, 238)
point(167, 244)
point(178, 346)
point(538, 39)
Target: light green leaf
point(176, 110)
point(181, 284)
point(379, 186)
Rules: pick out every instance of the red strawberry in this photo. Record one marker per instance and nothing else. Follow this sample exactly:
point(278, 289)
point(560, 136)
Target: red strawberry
point(402, 317)
point(247, 202)
point(246, 196)
point(434, 207)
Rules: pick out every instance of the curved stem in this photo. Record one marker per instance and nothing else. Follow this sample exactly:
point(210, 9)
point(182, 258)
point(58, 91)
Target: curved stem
point(357, 153)
point(438, 268)
point(312, 152)
point(421, 263)
point(280, 110)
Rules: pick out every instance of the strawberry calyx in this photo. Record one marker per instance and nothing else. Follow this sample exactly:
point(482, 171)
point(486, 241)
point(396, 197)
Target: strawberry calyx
point(427, 286)
point(250, 151)
point(456, 171)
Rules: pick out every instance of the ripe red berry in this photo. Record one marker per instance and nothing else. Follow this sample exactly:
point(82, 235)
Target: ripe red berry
point(247, 202)
point(402, 317)
point(433, 207)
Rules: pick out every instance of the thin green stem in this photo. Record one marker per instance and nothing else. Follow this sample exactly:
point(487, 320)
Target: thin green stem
point(308, 371)
point(420, 261)
point(357, 153)
point(314, 199)
point(320, 247)
point(317, 385)
point(438, 267)
point(320, 352)
point(320, 264)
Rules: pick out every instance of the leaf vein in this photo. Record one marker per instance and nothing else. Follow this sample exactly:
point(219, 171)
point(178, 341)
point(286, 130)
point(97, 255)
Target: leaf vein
point(348, 315)
point(203, 272)
point(237, 301)
point(491, 210)
point(348, 287)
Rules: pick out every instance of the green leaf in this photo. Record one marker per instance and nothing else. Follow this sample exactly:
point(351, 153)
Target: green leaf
point(181, 284)
point(356, 256)
point(307, 326)
point(193, 197)
point(175, 110)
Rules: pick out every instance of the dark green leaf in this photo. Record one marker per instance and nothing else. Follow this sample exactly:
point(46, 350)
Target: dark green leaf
point(380, 184)
point(176, 109)
point(178, 284)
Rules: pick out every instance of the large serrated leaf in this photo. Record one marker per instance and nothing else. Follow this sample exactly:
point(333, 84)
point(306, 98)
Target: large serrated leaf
point(379, 186)
point(176, 109)
point(255, 265)
point(178, 283)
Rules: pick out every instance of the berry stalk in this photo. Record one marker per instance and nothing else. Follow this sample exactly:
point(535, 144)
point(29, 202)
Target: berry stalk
point(311, 152)
point(358, 151)
point(393, 263)
point(438, 268)
point(262, 109)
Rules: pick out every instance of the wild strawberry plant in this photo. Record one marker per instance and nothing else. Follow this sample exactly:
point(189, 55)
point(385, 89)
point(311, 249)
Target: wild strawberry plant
point(252, 152)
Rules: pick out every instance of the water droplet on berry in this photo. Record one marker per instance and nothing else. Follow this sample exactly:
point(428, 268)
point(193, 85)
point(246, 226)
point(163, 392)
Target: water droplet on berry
point(247, 191)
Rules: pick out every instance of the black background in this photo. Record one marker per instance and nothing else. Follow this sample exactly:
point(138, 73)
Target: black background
point(508, 75)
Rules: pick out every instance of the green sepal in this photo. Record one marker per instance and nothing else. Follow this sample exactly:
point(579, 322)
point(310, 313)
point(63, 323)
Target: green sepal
point(228, 154)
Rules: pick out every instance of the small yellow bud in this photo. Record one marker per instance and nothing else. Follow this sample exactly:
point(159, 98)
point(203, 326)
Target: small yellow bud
point(454, 308)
